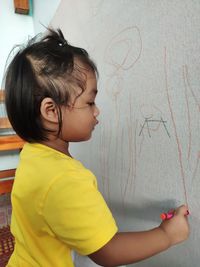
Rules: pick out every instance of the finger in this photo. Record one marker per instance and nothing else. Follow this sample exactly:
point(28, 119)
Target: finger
point(182, 210)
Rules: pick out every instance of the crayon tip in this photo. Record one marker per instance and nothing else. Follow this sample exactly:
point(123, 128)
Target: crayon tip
point(163, 216)
point(166, 216)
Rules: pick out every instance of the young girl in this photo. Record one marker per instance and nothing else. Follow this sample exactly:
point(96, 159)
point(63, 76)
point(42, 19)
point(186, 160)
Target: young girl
point(50, 99)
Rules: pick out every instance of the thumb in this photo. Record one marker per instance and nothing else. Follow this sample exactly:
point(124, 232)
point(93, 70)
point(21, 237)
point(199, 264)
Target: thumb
point(182, 210)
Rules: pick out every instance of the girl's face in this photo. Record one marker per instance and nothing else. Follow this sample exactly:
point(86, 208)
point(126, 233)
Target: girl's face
point(80, 119)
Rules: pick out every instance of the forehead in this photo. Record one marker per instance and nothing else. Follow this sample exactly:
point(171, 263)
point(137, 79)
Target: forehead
point(88, 75)
point(91, 83)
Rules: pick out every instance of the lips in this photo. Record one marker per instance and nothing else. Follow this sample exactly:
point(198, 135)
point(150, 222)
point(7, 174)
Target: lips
point(96, 122)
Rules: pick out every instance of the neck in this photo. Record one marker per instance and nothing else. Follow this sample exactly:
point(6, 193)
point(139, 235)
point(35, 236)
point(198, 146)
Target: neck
point(59, 145)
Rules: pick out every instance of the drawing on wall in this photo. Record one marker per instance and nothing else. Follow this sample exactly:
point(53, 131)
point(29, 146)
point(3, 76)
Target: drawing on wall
point(129, 42)
point(148, 122)
point(124, 49)
point(147, 145)
point(188, 171)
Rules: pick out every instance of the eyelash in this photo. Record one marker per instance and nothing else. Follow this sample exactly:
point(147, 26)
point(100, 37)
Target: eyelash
point(91, 103)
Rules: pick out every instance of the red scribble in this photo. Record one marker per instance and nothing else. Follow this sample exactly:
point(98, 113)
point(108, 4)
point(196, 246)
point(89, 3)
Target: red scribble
point(188, 112)
point(179, 148)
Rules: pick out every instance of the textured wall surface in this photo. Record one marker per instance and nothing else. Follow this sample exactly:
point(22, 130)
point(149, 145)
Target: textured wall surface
point(146, 149)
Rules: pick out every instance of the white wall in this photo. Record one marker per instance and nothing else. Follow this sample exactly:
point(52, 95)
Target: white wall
point(43, 12)
point(146, 148)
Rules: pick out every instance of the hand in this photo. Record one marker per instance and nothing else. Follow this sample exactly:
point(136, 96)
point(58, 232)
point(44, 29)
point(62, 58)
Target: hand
point(176, 228)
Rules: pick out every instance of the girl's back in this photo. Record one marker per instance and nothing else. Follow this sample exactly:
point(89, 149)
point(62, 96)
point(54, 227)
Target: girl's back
point(46, 208)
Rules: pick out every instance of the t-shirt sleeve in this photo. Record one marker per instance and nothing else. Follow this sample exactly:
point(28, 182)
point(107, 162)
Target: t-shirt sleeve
point(77, 213)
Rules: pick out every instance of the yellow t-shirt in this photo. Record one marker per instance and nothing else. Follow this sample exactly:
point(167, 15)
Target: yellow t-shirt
point(56, 208)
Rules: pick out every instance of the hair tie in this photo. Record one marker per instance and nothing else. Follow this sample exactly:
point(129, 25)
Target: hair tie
point(63, 43)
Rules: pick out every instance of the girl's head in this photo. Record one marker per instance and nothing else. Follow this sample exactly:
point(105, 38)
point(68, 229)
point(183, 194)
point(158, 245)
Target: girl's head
point(45, 81)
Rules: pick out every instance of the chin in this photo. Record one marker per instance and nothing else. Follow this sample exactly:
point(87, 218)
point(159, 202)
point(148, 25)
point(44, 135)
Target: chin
point(83, 139)
point(87, 139)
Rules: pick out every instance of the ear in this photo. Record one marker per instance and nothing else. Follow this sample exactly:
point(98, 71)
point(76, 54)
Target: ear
point(48, 110)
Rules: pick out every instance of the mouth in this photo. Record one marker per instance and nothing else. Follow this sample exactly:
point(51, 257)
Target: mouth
point(96, 122)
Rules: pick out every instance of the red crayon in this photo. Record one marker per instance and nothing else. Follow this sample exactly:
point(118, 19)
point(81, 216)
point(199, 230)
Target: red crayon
point(166, 216)
point(169, 215)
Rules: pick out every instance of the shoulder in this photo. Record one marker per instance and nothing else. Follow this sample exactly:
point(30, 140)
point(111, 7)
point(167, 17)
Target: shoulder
point(51, 166)
point(70, 182)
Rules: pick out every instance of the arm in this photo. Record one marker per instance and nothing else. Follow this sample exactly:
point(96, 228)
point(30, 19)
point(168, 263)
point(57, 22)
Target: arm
point(127, 248)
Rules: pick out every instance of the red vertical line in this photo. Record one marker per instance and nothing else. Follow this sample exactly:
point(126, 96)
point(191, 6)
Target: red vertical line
point(130, 147)
point(132, 169)
point(123, 180)
point(133, 181)
point(117, 111)
point(175, 130)
point(133, 144)
point(121, 173)
point(129, 155)
point(130, 134)
point(132, 178)
point(117, 139)
point(188, 84)
point(121, 186)
point(188, 114)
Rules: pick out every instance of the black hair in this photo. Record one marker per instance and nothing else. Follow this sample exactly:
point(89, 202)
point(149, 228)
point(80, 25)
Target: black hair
point(43, 68)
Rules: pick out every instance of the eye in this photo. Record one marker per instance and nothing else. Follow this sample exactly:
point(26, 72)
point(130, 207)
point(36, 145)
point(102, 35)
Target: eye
point(91, 103)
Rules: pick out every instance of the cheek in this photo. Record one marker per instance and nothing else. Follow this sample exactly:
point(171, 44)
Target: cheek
point(77, 126)
point(86, 118)
point(81, 124)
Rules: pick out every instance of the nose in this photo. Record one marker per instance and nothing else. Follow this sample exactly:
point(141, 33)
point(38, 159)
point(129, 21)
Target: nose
point(96, 111)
